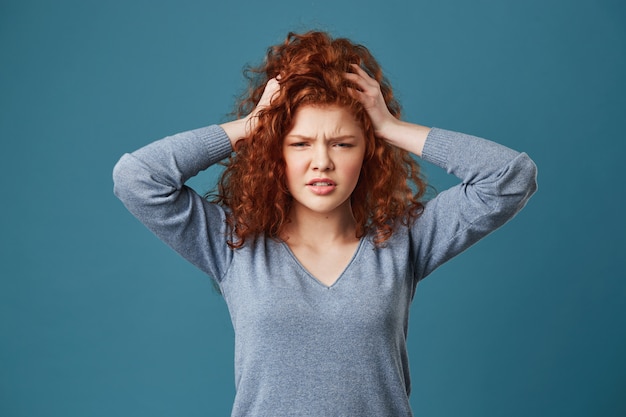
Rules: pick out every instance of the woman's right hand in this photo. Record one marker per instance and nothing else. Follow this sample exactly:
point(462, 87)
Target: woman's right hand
point(239, 129)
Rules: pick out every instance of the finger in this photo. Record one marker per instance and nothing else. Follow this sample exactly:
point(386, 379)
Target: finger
point(355, 94)
point(362, 97)
point(355, 78)
point(362, 79)
point(357, 68)
point(367, 94)
point(359, 75)
point(272, 87)
point(360, 71)
point(361, 83)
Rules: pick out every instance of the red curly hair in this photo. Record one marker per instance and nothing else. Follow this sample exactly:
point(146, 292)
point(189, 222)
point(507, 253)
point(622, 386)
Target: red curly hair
point(311, 68)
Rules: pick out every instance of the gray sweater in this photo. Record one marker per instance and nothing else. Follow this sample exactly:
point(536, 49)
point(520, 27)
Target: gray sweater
point(303, 348)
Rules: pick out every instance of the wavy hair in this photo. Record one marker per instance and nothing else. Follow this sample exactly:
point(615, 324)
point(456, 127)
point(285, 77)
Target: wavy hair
point(311, 68)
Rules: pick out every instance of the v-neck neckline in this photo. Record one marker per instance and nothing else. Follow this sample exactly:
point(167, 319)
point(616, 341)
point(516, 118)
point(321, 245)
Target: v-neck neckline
point(316, 279)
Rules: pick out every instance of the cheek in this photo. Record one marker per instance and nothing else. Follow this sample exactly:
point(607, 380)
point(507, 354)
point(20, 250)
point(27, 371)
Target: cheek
point(353, 171)
point(356, 168)
point(356, 164)
point(293, 170)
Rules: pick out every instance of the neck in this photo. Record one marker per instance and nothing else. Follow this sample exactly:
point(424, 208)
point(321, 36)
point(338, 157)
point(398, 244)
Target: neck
point(314, 228)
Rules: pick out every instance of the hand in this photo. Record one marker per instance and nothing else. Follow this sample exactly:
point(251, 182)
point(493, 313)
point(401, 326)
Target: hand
point(271, 87)
point(371, 97)
point(239, 129)
point(408, 136)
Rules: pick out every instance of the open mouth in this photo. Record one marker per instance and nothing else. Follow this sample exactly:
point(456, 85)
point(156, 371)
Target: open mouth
point(321, 186)
point(321, 182)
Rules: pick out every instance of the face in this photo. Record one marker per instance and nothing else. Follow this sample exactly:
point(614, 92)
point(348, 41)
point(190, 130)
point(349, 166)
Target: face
point(323, 153)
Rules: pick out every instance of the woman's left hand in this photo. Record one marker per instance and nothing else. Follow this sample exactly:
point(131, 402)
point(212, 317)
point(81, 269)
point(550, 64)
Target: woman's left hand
point(408, 136)
point(369, 94)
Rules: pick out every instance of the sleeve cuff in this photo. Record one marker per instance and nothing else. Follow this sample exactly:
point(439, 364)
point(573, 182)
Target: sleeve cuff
point(437, 146)
point(215, 142)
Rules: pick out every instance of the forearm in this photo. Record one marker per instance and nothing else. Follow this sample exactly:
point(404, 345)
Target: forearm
point(236, 129)
point(150, 183)
point(496, 182)
point(408, 136)
point(162, 167)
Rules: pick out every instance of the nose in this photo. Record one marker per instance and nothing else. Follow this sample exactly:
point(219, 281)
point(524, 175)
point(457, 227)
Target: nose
point(321, 159)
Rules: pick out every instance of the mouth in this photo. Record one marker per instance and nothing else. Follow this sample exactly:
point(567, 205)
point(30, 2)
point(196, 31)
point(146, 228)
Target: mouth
point(321, 182)
point(321, 186)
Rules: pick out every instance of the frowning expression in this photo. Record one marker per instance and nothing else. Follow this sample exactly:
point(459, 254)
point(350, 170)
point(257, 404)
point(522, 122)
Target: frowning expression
point(323, 154)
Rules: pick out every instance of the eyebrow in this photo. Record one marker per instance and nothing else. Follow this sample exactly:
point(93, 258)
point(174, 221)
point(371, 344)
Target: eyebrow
point(304, 137)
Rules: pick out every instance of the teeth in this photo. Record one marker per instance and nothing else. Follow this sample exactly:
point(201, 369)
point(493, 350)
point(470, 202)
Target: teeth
point(320, 184)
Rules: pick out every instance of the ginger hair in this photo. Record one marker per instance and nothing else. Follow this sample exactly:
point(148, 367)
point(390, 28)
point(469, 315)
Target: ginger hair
point(311, 68)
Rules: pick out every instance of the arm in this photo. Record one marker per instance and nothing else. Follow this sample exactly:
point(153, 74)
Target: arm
point(150, 183)
point(496, 182)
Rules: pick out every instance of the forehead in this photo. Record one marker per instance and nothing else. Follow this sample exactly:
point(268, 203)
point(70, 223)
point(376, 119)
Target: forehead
point(325, 121)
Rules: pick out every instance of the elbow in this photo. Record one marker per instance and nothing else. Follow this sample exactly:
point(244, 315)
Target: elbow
point(528, 177)
point(521, 186)
point(123, 177)
point(136, 185)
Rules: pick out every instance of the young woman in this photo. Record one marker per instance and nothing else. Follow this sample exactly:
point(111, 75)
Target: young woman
point(317, 239)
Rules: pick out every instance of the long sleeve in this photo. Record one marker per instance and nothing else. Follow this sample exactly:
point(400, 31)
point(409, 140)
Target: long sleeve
point(150, 183)
point(496, 183)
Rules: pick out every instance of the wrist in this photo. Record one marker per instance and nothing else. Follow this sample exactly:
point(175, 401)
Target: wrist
point(389, 130)
point(408, 136)
point(236, 129)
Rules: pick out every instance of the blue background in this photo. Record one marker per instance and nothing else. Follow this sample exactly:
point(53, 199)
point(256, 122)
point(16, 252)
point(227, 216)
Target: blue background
point(99, 318)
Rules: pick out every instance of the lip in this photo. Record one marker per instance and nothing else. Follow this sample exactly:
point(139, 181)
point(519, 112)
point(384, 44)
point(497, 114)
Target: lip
point(321, 189)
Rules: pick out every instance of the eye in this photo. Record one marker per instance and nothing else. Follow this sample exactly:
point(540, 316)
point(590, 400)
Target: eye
point(344, 145)
point(299, 144)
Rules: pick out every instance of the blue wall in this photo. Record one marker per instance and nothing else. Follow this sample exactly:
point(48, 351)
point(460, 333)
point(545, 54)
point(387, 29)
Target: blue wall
point(99, 318)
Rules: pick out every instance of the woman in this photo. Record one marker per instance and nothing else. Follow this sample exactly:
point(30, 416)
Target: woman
point(316, 239)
